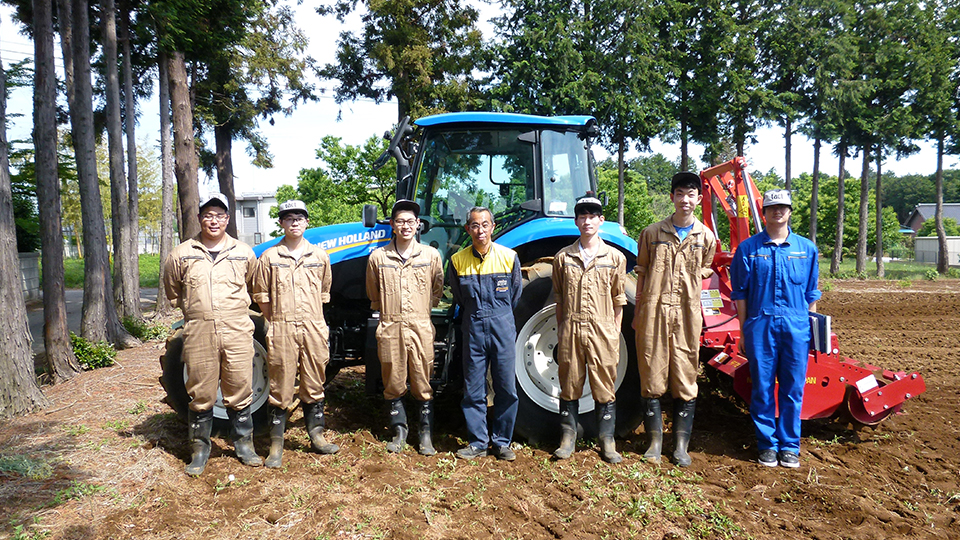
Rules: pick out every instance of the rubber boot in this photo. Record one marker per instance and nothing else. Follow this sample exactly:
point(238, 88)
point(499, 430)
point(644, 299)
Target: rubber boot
point(278, 424)
point(568, 429)
point(199, 426)
point(242, 422)
point(653, 425)
point(313, 418)
point(606, 425)
point(398, 423)
point(426, 429)
point(682, 427)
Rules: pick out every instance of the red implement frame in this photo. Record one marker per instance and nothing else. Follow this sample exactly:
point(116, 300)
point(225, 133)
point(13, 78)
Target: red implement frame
point(868, 393)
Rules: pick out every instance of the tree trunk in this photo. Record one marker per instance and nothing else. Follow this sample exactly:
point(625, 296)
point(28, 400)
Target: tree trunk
point(185, 152)
point(120, 201)
point(164, 309)
point(815, 189)
point(19, 393)
point(61, 362)
point(838, 242)
point(99, 320)
point(621, 181)
point(787, 152)
point(864, 215)
point(224, 141)
point(133, 186)
point(879, 221)
point(943, 257)
point(684, 150)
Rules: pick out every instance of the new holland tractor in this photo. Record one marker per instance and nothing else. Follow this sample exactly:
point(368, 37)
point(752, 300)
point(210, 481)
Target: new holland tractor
point(529, 170)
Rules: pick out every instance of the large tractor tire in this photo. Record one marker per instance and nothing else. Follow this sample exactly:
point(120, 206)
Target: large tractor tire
point(538, 385)
point(174, 377)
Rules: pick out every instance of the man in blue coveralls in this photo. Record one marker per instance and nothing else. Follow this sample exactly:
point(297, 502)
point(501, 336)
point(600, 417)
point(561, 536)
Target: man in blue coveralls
point(774, 275)
point(485, 280)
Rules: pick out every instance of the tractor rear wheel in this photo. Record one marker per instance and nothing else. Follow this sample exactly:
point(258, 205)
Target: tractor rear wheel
point(174, 377)
point(538, 385)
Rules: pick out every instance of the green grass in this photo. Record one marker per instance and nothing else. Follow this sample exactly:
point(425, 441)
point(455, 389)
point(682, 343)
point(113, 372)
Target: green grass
point(149, 272)
point(893, 270)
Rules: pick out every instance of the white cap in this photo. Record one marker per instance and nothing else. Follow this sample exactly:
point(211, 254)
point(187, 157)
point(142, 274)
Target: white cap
point(292, 205)
point(215, 198)
point(776, 197)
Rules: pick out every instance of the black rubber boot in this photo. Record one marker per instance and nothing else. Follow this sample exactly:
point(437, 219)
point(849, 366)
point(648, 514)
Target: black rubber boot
point(653, 425)
point(606, 425)
point(313, 418)
point(426, 429)
point(199, 426)
point(242, 422)
point(398, 423)
point(278, 424)
point(682, 427)
point(568, 429)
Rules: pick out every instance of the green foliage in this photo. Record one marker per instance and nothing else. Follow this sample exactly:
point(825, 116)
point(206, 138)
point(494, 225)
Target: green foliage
point(422, 52)
point(929, 227)
point(637, 212)
point(337, 191)
point(77, 490)
point(149, 272)
point(92, 355)
point(36, 469)
point(931, 275)
point(145, 331)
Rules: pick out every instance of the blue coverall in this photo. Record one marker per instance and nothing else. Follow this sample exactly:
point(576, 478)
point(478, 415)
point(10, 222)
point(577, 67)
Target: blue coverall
point(488, 289)
point(778, 283)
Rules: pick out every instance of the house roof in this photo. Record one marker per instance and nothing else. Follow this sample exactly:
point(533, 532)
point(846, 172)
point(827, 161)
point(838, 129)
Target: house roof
point(926, 211)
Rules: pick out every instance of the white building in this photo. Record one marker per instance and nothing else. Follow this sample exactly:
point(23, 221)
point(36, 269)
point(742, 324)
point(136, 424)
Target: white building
point(254, 223)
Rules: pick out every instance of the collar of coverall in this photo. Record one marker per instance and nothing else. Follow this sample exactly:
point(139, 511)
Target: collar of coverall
point(284, 251)
point(417, 247)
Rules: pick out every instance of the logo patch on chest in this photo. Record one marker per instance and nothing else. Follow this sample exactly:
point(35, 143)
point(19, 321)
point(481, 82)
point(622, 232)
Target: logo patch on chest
point(501, 285)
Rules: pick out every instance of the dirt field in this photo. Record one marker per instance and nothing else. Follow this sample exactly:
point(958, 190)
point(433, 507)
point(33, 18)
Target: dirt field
point(106, 461)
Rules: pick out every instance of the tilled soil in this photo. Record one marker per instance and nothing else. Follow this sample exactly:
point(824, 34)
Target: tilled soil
point(106, 459)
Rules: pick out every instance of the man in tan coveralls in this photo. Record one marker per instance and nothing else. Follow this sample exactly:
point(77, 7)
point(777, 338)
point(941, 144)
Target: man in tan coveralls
point(404, 281)
point(588, 281)
point(291, 285)
point(207, 277)
point(674, 257)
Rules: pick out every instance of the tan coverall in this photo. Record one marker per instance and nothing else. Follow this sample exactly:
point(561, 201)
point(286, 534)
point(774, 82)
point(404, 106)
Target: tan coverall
point(404, 292)
point(670, 316)
point(589, 338)
point(297, 338)
point(217, 333)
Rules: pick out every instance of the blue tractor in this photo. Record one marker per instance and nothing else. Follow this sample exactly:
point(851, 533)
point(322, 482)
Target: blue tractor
point(529, 170)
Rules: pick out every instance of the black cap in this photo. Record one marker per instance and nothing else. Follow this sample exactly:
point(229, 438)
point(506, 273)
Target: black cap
point(405, 205)
point(686, 179)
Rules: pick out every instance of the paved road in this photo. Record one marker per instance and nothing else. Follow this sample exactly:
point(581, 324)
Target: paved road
point(74, 301)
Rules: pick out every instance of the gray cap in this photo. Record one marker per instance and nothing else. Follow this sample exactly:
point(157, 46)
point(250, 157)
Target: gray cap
point(405, 205)
point(216, 198)
point(293, 205)
point(776, 197)
point(588, 203)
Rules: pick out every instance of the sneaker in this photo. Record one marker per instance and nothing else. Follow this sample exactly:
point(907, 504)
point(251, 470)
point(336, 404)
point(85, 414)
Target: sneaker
point(505, 453)
point(471, 452)
point(768, 458)
point(789, 459)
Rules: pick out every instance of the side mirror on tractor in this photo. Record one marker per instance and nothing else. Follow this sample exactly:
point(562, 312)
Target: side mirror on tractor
point(369, 215)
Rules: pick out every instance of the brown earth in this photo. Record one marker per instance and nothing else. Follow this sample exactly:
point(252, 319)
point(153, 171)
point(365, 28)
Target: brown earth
point(107, 462)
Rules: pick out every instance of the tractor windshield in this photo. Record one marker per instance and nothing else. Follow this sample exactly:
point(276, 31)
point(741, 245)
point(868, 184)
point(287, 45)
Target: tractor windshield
point(500, 169)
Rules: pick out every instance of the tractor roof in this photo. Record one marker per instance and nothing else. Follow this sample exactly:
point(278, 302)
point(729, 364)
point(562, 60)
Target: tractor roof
point(504, 118)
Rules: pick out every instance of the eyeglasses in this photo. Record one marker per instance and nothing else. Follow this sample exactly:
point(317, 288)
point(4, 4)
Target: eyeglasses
point(293, 220)
point(405, 222)
point(485, 226)
point(213, 217)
